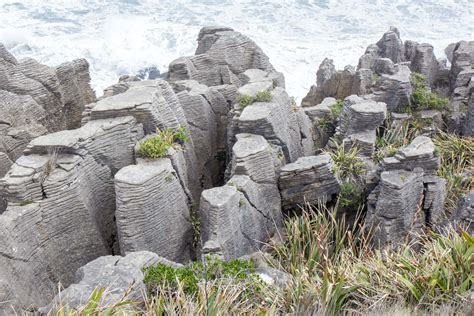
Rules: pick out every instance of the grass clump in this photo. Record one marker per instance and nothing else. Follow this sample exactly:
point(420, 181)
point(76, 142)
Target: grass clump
point(347, 166)
point(162, 277)
point(157, 146)
point(329, 121)
point(261, 96)
point(422, 98)
point(457, 166)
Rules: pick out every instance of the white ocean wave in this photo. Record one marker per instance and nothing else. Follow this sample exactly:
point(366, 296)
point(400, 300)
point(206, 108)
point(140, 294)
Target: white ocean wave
point(124, 36)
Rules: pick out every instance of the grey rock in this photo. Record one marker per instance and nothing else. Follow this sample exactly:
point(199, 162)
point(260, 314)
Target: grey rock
point(464, 214)
point(307, 180)
point(449, 51)
point(419, 154)
point(222, 57)
point(152, 211)
point(395, 208)
point(424, 62)
point(122, 277)
point(395, 90)
point(391, 46)
point(434, 197)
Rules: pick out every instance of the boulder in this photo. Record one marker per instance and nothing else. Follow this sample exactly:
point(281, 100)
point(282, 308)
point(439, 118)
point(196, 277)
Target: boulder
point(308, 180)
point(121, 277)
point(153, 211)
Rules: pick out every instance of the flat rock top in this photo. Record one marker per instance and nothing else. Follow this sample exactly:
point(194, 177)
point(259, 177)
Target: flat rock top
point(69, 138)
point(367, 106)
point(421, 146)
point(219, 196)
point(403, 74)
point(257, 111)
point(398, 178)
point(133, 97)
point(143, 172)
point(254, 87)
point(248, 144)
point(306, 163)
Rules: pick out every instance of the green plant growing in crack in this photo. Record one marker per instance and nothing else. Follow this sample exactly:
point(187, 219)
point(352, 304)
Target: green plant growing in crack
point(261, 96)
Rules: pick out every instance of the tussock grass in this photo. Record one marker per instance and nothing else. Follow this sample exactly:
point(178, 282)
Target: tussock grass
point(261, 96)
point(333, 270)
point(457, 165)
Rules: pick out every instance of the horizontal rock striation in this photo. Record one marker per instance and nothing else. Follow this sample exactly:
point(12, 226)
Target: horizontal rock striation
point(36, 99)
point(153, 211)
point(239, 217)
point(308, 180)
point(121, 277)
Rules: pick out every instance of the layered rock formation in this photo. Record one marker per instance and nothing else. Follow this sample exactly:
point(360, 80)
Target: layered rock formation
point(237, 218)
point(308, 180)
point(36, 99)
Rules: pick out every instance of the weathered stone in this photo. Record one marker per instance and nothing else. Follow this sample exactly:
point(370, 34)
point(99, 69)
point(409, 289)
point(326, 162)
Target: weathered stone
point(307, 180)
point(63, 220)
point(222, 56)
point(122, 277)
point(395, 90)
point(395, 208)
point(330, 83)
point(434, 197)
point(238, 218)
point(276, 121)
point(464, 214)
point(419, 154)
point(424, 62)
point(391, 46)
point(153, 103)
point(152, 211)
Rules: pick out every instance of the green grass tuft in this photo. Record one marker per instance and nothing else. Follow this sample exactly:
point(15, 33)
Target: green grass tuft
point(422, 98)
point(157, 146)
point(261, 96)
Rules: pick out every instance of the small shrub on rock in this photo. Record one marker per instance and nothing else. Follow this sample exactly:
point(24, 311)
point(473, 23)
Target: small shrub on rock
point(261, 96)
point(157, 146)
point(422, 98)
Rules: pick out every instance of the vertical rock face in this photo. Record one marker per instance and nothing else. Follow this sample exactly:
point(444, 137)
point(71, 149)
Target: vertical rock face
point(397, 212)
point(152, 211)
point(461, 74)
point(36, 99)
point(277, 121)
point(464, 215)
point(394, 90)
point(237, 218)
point(308, 180)
point(61, 205)
point(424, 62)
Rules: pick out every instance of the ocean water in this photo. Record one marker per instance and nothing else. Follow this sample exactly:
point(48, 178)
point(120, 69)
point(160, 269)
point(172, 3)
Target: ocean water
point(123, 36)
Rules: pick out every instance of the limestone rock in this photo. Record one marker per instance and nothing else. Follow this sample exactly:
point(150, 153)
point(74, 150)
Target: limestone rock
point(222, 57)
point(420, 153)
point(397, 211)
point(239, 217)
point(424, 62)
point(122, 277)
point(391, 46)
point(394, 90)
point(152, 211)
point(434, 197)
point(464, 215)
point(309, 179)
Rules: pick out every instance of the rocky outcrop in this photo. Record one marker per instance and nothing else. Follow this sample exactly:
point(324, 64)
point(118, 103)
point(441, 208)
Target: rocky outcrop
point(337, 84)
point(464, 214)
point(394, 89)
point(423, 60)
point(319, 116)
point(279, 121)
point(153, 211)
point(358, 122)
point(419, 154)
point(221, 58)
point(461, 81)
point(239, 217)
point(308, 180)
point(36, 99)
point(395, 208)
point(121, 277)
